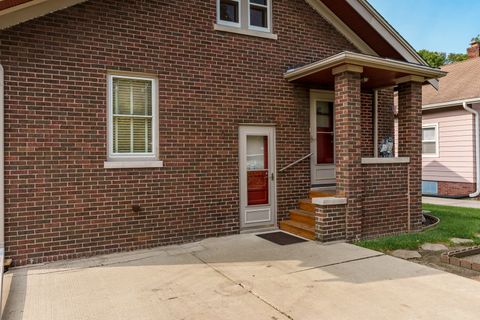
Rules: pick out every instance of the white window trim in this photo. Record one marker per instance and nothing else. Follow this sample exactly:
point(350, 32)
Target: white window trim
point(269, 16)
point(229, 23)
point(136, 159)
point(437, 153)
point(243, 26)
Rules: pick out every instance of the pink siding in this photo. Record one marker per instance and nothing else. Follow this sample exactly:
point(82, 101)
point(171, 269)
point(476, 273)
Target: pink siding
point(456, 160)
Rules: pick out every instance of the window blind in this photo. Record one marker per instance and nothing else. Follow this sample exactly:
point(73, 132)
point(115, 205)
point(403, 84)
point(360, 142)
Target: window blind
point(132, 116)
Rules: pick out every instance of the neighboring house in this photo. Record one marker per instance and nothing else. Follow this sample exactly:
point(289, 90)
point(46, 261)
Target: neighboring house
point(449, 145)
point(132, 124)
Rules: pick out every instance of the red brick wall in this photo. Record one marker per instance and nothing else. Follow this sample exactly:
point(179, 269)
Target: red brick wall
point(410, 144)
point(385, 114)
point(330, 222)
point(61, 202)
point(385, 202)
point(446, 188)
point(348, 143)
point(367, 124)
point(385, 119)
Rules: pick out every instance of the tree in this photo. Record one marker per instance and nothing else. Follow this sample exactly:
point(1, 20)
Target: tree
point(433, 58)
point(437, 59)
point(456, 57)
point(476, 39)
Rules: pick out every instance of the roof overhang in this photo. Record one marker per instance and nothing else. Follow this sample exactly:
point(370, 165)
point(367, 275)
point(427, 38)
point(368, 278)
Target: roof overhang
point(374, 32)
point(13, 12)
point(376, 72)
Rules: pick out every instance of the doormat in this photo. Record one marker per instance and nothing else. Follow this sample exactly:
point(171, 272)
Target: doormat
point(281, 238)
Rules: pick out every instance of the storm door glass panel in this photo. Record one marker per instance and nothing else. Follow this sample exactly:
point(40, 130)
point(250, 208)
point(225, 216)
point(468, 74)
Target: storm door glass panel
point(325, 133)
point(257, 170)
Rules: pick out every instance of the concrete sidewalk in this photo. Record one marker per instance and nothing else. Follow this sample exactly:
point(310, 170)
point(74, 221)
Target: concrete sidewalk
point(465, 203)
point(239, 277)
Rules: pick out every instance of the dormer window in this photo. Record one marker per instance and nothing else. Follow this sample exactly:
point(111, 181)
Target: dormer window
point(248, 17)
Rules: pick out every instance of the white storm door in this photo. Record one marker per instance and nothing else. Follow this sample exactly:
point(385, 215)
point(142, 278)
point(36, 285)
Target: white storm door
point(257, 176)
point(322, 137)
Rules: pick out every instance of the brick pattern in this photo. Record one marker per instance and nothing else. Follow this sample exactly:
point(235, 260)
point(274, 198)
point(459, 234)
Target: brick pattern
point(385, 114)
point(385, 119)
point(330, 223)
point(385, 202)
point(367, 124)
point(447, 188)
point(348, 148)
point(410, 144)
point(60, 201)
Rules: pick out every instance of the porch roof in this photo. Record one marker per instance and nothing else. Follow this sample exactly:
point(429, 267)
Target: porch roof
point(376, 72)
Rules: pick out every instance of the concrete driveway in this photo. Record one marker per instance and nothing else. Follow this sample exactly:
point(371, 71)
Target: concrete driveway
point(239, 277)
point(464, 203)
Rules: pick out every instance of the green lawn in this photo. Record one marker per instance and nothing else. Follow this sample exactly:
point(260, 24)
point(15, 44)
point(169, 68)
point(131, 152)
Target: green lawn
point(454, 223)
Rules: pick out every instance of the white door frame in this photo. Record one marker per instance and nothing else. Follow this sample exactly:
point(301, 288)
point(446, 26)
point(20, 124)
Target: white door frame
point(269, 210)
point(320, 173)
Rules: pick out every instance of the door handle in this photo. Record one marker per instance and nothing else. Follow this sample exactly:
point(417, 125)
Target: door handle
point(272, 176)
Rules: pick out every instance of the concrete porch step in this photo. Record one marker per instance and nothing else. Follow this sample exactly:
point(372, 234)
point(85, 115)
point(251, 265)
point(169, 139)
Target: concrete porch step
point(303, 216)
point(298, 228)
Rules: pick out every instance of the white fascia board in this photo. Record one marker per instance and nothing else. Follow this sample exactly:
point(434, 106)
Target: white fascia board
point(450, 103)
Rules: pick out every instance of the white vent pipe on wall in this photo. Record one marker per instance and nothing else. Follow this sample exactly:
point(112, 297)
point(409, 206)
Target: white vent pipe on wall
point(375, 123)
point(477, 147)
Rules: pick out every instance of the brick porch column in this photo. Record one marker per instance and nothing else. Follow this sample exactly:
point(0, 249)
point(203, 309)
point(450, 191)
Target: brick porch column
point(410, 143)
point(348, 145)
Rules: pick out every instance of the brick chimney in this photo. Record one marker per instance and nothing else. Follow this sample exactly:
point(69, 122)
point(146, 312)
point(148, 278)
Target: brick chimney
point(474, 50)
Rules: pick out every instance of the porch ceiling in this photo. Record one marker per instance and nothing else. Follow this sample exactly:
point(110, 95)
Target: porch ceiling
point(377, 72)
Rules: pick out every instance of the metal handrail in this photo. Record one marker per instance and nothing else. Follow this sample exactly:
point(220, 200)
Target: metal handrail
point(295, 162)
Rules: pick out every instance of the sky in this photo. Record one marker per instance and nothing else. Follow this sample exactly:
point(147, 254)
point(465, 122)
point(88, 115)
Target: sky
point(437, 25)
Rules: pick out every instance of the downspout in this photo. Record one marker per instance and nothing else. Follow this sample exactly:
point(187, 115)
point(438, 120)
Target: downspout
point(2, 204)
point(375, 123)
point(477, 147)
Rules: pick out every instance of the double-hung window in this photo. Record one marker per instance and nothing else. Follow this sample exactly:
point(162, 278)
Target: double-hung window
point(228, 12)
point(251, 17)
point(133, 118)
point(258, 16)
point(430, 140)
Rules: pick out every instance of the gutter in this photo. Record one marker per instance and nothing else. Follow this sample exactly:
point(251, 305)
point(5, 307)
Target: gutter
point(2, 204)
point(477, 147)
point(375, 123)
point(452, 103)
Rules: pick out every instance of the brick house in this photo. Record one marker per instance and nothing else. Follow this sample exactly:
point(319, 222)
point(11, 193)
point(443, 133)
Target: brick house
point(132, 124)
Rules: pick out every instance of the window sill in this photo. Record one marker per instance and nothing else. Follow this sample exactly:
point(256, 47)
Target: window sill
point(245, 32)
point(132, 164)
point(385, 160)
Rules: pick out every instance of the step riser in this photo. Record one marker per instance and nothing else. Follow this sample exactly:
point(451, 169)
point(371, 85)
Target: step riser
point(302, 218)
point(300, 232)
point(307, 206)
point(320, 194)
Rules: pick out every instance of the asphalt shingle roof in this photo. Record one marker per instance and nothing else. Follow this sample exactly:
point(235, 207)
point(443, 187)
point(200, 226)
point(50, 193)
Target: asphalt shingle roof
point(461, 82)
